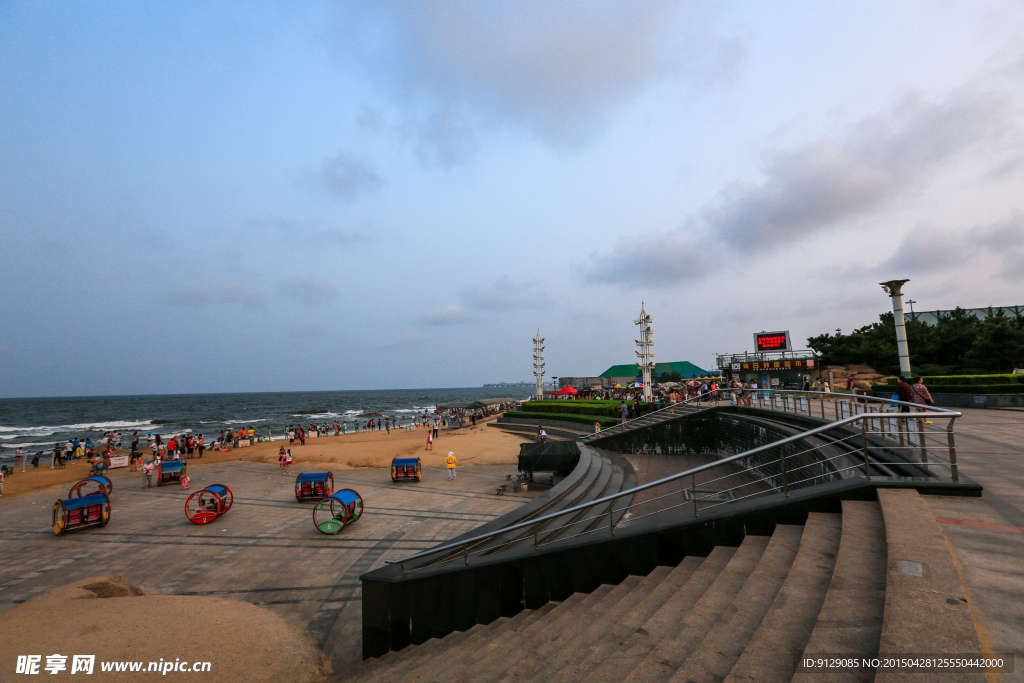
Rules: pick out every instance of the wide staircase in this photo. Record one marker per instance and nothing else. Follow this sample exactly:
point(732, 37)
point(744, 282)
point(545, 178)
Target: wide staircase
point(877, 578)
point(598, 473)
point(652, 418)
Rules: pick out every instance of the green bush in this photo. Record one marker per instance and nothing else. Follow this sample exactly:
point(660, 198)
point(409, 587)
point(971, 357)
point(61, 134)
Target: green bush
point(960, 380)
point(1018, 388)
point(582, 419)
point(600, 408)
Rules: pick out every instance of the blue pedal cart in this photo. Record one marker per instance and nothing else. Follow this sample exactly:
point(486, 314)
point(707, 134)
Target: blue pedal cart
point(206, 505)
point(169, 471)
point(78, 513)
point(406, 469)
point(335, 512)
point(309, 485)
point(87, 487)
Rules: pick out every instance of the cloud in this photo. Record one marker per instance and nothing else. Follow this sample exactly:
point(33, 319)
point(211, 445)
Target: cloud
point(505, 294)
point(236, 293)
point(930, 249)
point(308, 289)
point(305, 232)
point(878, 159)
point(816, 187)
point(655, 258)
point(450, 315)
point(196, 296)
point(553, 68)
point(406, 341)
point(187, 295)
point(347, 178)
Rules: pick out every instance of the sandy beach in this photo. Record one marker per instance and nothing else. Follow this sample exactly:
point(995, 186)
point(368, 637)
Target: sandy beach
point(480, 445)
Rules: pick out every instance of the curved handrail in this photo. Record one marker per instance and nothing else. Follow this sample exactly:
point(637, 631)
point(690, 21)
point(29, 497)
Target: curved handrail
point(763, 392)
point(942, 413)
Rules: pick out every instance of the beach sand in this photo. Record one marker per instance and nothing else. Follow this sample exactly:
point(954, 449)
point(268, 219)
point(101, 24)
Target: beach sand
point(480, 445)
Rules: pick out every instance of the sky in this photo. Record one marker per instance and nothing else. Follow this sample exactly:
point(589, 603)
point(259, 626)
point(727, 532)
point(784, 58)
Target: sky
point(278, 196)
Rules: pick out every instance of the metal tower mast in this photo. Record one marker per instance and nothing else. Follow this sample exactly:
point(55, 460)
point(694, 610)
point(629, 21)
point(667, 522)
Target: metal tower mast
point(646, 352)
point(538, 363)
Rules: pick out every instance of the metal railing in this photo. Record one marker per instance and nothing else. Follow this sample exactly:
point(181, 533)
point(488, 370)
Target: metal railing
point(865, 440)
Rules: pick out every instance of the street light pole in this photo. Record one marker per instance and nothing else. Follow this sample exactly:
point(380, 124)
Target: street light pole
point(894, 289)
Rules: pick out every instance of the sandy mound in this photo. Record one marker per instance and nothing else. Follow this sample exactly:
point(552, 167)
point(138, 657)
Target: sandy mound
point(108, 617)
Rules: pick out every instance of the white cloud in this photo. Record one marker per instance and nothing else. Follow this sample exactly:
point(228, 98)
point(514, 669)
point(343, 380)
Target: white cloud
point(450, 315)
point(307, 289)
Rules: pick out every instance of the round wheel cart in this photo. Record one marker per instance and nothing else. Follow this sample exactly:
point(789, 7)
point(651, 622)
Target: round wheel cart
point(169, 471)
point(335, 512)
point(78, 513)
point(406, 469)
point(313, 485)
point(206, 505)
point(87, 487)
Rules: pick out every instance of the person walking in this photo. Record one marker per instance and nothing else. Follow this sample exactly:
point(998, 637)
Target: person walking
point(921, 395)
point(624, 410)
point(287, 462)
point(904, 393)
point(450, 462)
point(430, 440)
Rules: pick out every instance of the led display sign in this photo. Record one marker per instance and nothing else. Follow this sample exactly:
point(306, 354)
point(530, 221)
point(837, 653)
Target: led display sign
point(772, 341)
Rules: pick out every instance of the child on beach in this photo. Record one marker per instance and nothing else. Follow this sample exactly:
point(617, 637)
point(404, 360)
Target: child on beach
point(280, 458)
point(287, 462)
point(184, 482)
point(430, 441)
point(450, 461)
point(1, 483)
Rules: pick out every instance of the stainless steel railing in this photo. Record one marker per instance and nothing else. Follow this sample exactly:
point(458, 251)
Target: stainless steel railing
point(866, 437)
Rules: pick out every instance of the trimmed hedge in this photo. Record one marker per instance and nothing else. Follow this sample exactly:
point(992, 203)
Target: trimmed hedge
point(886, 391)
point(964, 380)
point(565, 417)
point(593, 408)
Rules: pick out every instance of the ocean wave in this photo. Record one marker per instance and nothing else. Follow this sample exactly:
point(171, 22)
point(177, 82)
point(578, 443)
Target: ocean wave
point(14, 446)
point(44, 430)
point(315, 416)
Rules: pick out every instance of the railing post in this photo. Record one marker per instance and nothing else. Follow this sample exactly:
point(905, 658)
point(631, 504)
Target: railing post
point(864, 446)
point(465, 555)
point(924, 442)
point(952, 450)
point(785, 484)
point(693, 493)
point(536, 545)
point(402, 565)
point(611, 518)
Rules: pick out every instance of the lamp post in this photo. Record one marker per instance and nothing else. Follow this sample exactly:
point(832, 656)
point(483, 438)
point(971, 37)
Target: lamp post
point(646, 352)
point(538, 363)
point(894, 289)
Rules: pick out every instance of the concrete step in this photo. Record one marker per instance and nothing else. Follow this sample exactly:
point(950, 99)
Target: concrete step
point(589, 632)
point(669, 654)
point(517, 653)
point(620, 661)
point(774, 650)
point(408, 658)
point(496, 649)
point(447, 664)
point(626, 625)
point(922, 588)
point(716, 654)
point(850, 620)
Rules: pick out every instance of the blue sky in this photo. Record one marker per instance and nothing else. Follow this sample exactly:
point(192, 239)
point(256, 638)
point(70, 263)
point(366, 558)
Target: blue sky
point(228, 196)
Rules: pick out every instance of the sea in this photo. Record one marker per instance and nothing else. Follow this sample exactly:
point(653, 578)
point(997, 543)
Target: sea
point(38, 423)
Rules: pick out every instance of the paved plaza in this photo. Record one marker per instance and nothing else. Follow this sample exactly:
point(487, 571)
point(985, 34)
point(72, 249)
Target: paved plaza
point(265, 550)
